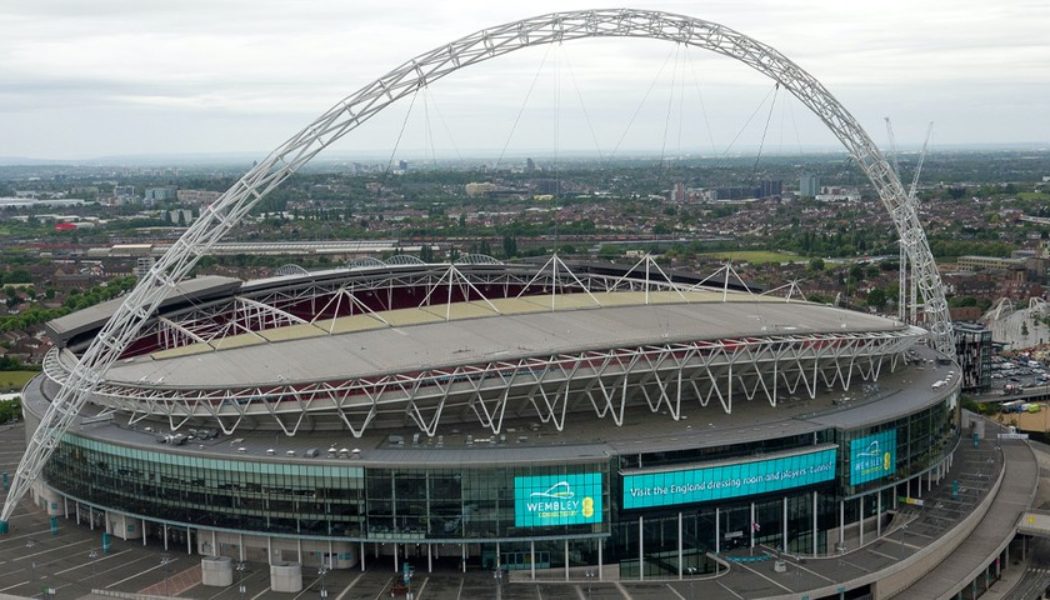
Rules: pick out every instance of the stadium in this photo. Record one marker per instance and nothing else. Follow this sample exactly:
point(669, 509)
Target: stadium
point(535, 416)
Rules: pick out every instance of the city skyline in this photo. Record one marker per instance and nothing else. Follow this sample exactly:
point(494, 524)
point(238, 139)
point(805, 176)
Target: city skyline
point(124, 79)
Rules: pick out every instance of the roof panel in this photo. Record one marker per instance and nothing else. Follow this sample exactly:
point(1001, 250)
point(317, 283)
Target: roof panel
point(432, 342)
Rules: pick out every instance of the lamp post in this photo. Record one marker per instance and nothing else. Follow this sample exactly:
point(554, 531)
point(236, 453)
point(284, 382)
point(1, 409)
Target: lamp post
point(165, 562)
point(93, 557)
point(240, 578)
point(692, 574)
point(498, 576)
point(322, 571)
point(589, 574)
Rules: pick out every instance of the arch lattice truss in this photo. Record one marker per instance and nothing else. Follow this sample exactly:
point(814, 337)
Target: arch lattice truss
point(405, 80)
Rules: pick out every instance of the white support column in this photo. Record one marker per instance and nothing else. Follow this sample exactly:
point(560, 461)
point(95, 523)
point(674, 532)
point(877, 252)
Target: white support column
point(751, 527)
point(860, 520)
point(601, 575)
point(729, 388)
point(929, 481)
point(269, 550)
point(497, 556)
point(78, 512)
point(91, 517)
point(240, 547)
point(189, 541)
point(143, 532)
point(842, 521)
point(463, 556)
point(641, 550)
point(299, 550)
point(815, 545)
point(165, 537)
point(566, 559)
point(718, 530)
point(532, 560)
point(397, 567)
point(878, 514)
point(65, 507)
point(784, 527)
point(215, 544)
point(680, 561)
point(331, 556)
point(361, 554)
point(430, 559)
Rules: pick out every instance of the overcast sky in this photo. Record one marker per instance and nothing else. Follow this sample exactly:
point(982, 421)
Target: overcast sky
point(130, 77)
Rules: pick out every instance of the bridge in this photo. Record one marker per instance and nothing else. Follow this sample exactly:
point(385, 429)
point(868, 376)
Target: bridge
point(1032, 394)
point(1035, 523)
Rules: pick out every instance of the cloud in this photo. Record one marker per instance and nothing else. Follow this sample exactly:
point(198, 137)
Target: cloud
point(213, 66)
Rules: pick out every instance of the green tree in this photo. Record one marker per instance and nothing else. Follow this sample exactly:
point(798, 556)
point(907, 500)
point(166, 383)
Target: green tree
point(510, 247)
point(877, 298)
point(10, 409)
point(426, 253)
point(816, 264)
point(856, 273)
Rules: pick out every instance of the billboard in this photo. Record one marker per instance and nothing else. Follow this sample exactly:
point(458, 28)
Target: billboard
point(872, 457)
point(553, 500)
point(663, 488)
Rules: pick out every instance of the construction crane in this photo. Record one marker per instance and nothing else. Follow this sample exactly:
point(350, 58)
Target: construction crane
point(908, 299)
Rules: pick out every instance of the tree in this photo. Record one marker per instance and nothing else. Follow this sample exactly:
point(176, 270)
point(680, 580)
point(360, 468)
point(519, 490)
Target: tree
point(510, 247)
point(877, 298)
point(856, 273)
point(10, 409)
point(816, 264)
point(426, 253)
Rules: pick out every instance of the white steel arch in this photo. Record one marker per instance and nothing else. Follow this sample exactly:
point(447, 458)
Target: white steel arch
point(352, 111)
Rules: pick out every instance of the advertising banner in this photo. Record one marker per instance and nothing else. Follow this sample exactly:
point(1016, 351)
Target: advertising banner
point(552, 500)
point(643, 490)
point(872, 457)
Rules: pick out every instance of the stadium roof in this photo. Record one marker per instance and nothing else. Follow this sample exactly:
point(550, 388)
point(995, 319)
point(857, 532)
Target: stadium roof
point(94, 317)
point(480, 335)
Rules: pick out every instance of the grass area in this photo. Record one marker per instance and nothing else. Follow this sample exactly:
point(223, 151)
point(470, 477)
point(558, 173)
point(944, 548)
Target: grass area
point(756, 257)
point(1030, 196)
point(14, 381)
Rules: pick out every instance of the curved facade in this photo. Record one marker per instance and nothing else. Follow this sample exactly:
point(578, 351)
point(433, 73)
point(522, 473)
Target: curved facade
point(644, 425)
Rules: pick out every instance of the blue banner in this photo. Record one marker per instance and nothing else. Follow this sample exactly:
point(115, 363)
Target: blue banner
point(552, 500)
point(665, 488)
point(872, 457)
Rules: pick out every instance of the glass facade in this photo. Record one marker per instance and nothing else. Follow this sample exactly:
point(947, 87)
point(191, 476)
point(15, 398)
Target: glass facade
point(337, 501)
point(585, 503)
point(922, 439)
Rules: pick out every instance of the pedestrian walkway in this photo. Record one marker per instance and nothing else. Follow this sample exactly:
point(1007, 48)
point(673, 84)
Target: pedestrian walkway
point(176, 584)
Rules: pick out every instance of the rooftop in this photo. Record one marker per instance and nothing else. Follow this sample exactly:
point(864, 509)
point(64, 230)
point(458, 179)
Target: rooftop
point(410, 340)
point(94, 317)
